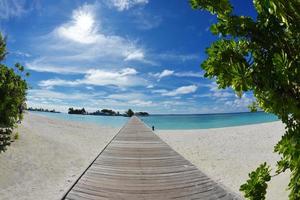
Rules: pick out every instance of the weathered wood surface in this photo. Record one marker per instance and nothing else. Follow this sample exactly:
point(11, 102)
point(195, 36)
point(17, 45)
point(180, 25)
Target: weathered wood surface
point(137, 164)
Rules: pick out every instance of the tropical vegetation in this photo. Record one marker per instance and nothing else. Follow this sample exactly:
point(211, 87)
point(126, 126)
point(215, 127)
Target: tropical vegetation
point(261, 55)
point(13, 89)
point(106, 112)
point(42, 110)
point(129, 113)
point(141, 114)
point(77, 111)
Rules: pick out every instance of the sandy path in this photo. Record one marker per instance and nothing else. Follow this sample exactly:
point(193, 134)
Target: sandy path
point(48, 157)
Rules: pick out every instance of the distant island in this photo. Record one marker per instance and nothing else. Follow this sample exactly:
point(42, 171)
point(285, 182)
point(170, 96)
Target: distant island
point(41, 110)
point(143, 114)
point(77, 111)
point(106, 112)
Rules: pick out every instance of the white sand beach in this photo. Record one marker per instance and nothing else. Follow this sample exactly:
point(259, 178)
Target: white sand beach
point(228, 154)
point(48, 157)
point(51, 154)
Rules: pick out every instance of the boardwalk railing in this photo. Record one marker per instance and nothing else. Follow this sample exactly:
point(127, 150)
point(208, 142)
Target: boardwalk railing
point(137, 164)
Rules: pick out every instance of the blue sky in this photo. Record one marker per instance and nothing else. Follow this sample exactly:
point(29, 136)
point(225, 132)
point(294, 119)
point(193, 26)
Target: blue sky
point(117, 54)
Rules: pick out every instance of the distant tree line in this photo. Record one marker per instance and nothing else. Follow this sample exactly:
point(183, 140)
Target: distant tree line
point(42, 110)
point(77, 111)
point(141, 114)
point(106, 112)
point(129, 113)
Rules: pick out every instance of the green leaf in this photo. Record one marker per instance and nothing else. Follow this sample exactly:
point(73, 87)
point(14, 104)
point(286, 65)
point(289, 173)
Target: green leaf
point(261, 56)
point(256, 187)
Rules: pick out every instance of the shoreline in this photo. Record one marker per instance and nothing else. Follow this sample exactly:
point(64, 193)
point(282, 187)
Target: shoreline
point(55, 152)
point(102, 120)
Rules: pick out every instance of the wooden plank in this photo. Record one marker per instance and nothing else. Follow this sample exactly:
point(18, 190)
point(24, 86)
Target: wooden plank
point(137, 164)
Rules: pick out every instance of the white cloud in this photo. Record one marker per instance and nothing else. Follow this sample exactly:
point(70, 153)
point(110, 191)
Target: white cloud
point(159, 91)
point(222, 94)
point(181, 90)
point(216, 93)
point(189, 74)
point(91, 101)
point(122, 5)
point(226, 99)
point(10, 8)
point(61, 101)
point(171, 103)
point(242, 102)
point(42, 65)
point(82, 28)
point(46, 94)
point(126, 96)
point(123, 78)
point(55, 82)
point(163, 74)
point(138, 102)
point(150, 86)
point(136, 55)
point(81, 44)
point(16, 8)
point(135, 99)
point(178, 57)
point(167, 72)
point(145, 20)
point(89, 88)
point(21, 54)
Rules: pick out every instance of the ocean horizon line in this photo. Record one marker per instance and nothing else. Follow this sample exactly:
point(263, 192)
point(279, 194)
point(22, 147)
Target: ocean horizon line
point(173, 114)
point(175, 122)
point(217, 113)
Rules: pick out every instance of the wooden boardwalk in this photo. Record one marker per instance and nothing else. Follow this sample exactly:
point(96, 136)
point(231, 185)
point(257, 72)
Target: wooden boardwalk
point(137, 164)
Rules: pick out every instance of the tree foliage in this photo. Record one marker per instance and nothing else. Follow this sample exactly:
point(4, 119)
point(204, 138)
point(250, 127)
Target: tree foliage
point(108, 112)
point(256, 186)
point(77, 111)
point(143, 114)
point(12, 97)
point(262, 55)
point(129, 113)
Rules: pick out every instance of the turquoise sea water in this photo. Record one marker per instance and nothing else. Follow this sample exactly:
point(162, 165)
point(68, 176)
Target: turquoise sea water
point(175, 122)
point(204, 121)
